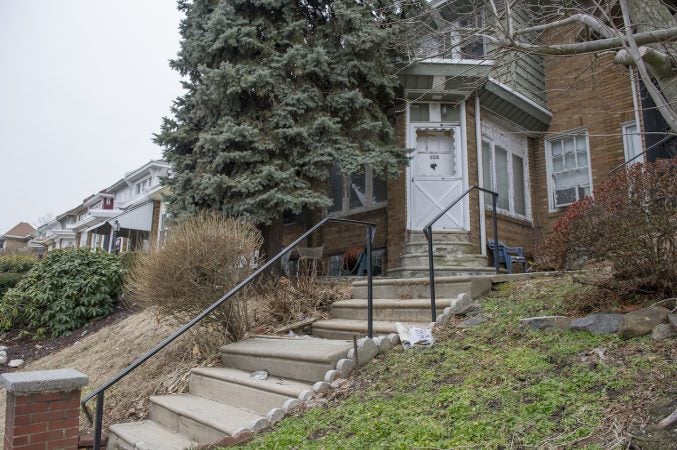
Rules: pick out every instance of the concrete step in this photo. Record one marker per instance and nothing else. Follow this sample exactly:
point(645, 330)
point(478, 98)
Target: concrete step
point(439, 236)
point(201, 419)
point(300, 358)
point(416, 310)
point(440, 271)
point(442, 260)
point(146, 435)
point(447, 248)
point(411, 288)
point(346, 329)
point(237, 388)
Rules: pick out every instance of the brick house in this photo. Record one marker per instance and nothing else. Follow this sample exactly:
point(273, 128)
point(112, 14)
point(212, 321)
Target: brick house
point(17, 238)
point(549, 130)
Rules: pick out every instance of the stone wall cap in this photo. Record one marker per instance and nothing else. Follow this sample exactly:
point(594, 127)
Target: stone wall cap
point(43, 381)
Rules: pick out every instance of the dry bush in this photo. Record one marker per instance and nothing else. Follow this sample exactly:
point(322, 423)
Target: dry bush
point(283, 301)
point(203, 258)
point(628, 228)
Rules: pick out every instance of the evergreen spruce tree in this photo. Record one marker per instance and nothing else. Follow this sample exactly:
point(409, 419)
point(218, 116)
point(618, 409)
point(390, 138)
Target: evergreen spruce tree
point(276, 92)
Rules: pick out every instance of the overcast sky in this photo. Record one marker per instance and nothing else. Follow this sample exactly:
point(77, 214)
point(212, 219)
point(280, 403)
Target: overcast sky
point(83, 86)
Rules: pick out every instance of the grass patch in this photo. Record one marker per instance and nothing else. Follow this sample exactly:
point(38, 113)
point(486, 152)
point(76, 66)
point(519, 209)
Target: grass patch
point(494, 386)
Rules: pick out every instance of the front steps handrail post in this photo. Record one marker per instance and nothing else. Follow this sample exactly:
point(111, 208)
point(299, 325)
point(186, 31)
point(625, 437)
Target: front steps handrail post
point(428, 232)
point(100, 391)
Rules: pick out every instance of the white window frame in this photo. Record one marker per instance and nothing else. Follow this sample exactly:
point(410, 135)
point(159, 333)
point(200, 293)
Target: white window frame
point(628, 136)
point(140, 187)
point(511, 180)
point(492, 130)
point(552, 207)
point(446, 44)
point(368, 193)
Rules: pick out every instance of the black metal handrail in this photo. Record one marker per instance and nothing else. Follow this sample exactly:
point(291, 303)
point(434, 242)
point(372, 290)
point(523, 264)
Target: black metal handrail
point(100, 391)
point(428, 232)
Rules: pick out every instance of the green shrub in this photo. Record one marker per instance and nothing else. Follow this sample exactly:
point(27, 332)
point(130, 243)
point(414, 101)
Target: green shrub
point(8, 280)
point(63, 292)
point(17, 263)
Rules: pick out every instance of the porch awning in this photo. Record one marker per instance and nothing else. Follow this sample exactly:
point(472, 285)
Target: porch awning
point(137, 218)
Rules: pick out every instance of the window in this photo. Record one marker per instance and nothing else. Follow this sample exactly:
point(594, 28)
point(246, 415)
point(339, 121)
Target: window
point(434, 112)
point(504, 169)
point(632, 143)
point(142, 186)
point(355, 192)
point(568, 168)
point(459, 40)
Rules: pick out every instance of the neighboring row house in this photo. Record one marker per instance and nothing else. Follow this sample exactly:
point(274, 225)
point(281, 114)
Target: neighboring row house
point(126, 216)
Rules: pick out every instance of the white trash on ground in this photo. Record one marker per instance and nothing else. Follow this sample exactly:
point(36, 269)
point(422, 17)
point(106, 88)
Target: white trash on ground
point(259, 375)
point(412, 335)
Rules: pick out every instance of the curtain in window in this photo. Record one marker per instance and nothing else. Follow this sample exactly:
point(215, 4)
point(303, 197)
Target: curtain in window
point(502, 180)
point(487, 170)
point(358, 190)
point(520, 200)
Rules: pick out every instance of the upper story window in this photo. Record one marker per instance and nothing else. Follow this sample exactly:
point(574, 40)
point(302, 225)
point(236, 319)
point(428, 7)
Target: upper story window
point(356, 192)
point(568, 163)
point(142, 186)
point(505, 169)
point(457, 41)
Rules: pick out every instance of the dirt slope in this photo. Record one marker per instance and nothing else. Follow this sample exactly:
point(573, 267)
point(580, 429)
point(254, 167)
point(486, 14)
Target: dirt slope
point(102, 354)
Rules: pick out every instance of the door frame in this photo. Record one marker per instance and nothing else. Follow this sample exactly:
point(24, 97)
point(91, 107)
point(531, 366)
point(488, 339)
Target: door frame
point(410, 137)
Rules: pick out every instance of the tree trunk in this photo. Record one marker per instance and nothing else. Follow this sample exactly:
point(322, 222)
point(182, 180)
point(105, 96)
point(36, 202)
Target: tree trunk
point(272, 243)
point(649, 15)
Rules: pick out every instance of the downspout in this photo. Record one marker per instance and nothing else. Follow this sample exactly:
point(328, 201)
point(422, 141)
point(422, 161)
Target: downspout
point(480, 175)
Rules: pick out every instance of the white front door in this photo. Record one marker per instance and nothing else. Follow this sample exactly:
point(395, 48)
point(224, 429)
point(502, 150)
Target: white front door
point(436, 177)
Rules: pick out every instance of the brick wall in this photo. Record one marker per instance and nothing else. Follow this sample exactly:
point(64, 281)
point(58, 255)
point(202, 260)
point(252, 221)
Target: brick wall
point(584, 91)
point(47, 421)
point(155, 223)
point(397, 203)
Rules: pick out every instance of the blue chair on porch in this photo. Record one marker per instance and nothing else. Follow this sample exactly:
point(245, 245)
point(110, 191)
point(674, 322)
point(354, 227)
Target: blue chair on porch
point(508, 255)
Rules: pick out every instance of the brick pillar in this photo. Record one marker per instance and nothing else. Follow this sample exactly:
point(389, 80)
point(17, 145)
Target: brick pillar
point(155, 224)
point(43, 409)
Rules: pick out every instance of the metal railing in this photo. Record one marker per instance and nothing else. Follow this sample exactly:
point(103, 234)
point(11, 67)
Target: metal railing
point(651, 147)
point(100, 391)
point(428, 232)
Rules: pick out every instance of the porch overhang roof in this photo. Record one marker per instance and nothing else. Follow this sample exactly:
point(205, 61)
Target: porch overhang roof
point(139, 217)
point(440, 79)
point(455, 80)
point(513, 106)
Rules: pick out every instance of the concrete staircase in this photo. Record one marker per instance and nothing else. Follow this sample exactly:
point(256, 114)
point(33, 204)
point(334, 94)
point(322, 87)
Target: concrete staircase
point(454, 255)
point(223, 402)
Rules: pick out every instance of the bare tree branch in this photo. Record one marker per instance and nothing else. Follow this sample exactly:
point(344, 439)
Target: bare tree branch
point(633, 50)
point(585, 19)
point(579, 48)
